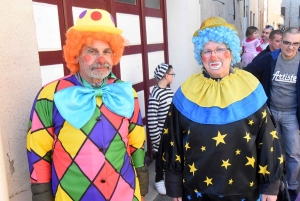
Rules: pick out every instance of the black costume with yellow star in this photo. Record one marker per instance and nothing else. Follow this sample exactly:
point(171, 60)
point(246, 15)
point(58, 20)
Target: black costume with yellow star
point(219, 142)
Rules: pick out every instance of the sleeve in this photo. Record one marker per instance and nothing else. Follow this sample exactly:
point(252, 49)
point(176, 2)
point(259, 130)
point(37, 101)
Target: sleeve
point(42, 192)
point(255, 68)
point(270, 158)
point(154, 132)
point(40, 138)
point(137, 135)
point(136, 141)
point(171, 150)
point(258, 48)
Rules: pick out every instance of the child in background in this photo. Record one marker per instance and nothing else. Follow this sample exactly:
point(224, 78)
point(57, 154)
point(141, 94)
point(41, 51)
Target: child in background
point(158, 107)
point(251, 45)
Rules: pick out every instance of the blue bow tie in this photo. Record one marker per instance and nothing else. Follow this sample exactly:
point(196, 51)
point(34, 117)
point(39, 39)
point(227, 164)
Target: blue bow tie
point(77, 104)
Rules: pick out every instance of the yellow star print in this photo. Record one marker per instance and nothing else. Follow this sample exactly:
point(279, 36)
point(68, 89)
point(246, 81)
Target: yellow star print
point(247, 136)
point(230, 181)
point(280, 159)
point(178, 158)
point(183, 180)
point(251, 122)
point(172, 143)
point(166, 130)
point(187, 146)
point(251, 161)
point(220, 138)
point(192, 168)
point(271, 150)
point(263, 170)
point(237, 152)
point(169, 113)
point(273, 133)
point(163, 157)
point(203, 148)
point(208, 181)
point(251, 183)
point(189, 132)
point(264, 113)
point(225, 164)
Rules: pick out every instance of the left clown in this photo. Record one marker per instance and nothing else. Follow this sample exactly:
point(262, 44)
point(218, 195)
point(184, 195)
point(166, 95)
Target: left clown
point(85, 137)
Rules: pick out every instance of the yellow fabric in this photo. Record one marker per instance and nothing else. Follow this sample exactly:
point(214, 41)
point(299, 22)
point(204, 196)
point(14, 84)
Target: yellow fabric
point(214, 22)
point(74, 142)
point(105, 24)
point(207, 92)
point(62, 195)
point(41, 142)
point(47, 91)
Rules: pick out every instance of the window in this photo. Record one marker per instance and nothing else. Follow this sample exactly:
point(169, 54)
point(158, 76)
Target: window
point(127, 1)
point(283, 11)
point(251, 18)
point(153, 4)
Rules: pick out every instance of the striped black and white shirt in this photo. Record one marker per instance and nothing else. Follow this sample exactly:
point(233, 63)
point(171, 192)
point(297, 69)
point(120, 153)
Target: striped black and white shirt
point(159, 103)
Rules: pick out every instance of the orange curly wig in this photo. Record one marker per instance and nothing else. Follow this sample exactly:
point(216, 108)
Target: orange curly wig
point(77, 39)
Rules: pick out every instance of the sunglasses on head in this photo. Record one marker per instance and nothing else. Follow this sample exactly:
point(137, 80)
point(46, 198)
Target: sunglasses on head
point(269, 27)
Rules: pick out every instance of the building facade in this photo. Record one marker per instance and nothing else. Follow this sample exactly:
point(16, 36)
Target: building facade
point(32, 37)
point(291, 10)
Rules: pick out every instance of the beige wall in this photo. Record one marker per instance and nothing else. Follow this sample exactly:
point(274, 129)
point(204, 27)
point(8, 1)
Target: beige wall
point(273, 13)
point(20, 80)
point(181, 27)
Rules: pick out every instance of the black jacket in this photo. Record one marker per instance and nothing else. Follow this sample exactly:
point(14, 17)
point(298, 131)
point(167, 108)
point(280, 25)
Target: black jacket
point(262, 53)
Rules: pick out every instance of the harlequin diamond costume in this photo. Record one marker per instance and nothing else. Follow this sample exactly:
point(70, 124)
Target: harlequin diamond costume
point(87, 143)
point(219, 142)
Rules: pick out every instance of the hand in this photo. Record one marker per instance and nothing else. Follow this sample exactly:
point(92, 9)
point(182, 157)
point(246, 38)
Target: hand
point(177, 199)
point(268, 197)
point(143, 199)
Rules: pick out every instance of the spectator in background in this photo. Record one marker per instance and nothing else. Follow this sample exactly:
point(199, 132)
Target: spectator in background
point(159, 103)
point(265, 36)
point(274, 43)
point(278, 72)
point(250, 46)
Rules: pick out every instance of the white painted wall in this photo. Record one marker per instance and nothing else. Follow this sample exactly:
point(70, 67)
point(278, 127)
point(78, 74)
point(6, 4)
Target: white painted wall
point(20, 80)
point(183, 20)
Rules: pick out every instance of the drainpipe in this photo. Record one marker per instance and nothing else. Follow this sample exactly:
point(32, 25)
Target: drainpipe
point(290, 9)
point(3, 181)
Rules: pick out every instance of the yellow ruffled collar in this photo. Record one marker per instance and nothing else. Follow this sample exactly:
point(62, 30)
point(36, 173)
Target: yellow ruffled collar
point(207, 92)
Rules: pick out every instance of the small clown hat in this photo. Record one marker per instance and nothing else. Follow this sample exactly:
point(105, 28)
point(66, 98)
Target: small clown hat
point(96, 20)
point(214, 22)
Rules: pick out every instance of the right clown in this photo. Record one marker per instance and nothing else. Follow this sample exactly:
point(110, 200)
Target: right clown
point(219, 140)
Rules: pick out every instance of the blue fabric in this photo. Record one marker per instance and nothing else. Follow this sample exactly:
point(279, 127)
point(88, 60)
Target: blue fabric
point(216, 115)
point(288, 131)
point(77, 104)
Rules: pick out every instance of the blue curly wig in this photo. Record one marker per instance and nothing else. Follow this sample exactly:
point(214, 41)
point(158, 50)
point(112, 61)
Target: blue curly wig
point(220, 34)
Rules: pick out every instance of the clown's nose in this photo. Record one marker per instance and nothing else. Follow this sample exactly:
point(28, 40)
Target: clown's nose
point(101, 60)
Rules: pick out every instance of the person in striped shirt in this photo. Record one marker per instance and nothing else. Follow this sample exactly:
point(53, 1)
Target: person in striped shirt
point(158, 107)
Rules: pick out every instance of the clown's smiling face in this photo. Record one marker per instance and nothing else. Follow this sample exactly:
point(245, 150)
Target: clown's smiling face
point(216, 59)
point(95, 61)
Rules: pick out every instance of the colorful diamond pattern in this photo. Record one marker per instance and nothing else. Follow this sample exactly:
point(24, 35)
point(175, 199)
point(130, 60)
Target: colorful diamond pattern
point(74, 182)
point(92, 163)
point(90, 156)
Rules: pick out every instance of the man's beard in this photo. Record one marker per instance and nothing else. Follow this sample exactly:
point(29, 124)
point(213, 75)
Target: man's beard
point(92, 74)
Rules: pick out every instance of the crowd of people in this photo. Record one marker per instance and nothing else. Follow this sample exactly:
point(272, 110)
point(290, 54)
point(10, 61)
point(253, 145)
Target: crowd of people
point(227, 133)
